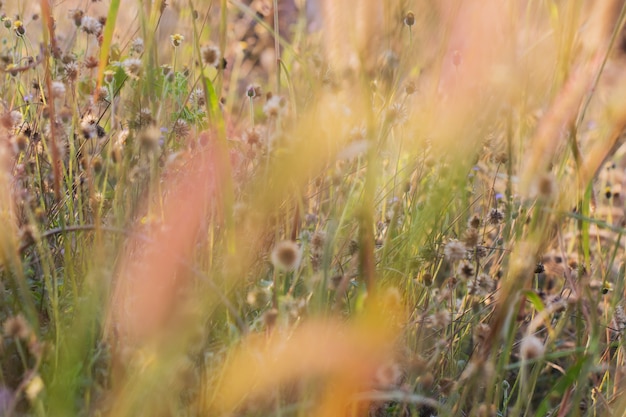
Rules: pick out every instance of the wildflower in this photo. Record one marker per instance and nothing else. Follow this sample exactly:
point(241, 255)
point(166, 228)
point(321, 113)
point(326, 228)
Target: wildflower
point(71, 71)
point(197, 97)
point(109, 76)
point(18, 27)
point(396, 114)
point(17, 327)
point(286, 256)
point(531, 347)
point(409, 18)
point(132, 67)
point(210, 55)
point(471, 237)
point(495, 216)
point(91, 25)
point(177, 39)
point(474, 222)
point(91, 62)
point(465, 270)
point(8, 23)
point(254, 91)
point(88, 126)
point(144, 118)
point(181, 128)
point(58, 89)
point(136, 46)
point(480, 286)
point(455, 251)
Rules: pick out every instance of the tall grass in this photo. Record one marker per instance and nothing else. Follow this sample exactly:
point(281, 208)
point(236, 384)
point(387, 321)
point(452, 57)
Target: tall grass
point(209, 210)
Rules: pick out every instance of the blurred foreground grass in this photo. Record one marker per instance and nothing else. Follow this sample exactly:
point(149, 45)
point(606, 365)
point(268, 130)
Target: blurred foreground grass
point(416, 212)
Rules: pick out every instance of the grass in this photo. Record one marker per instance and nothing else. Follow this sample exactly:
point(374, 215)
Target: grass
point(210, 210)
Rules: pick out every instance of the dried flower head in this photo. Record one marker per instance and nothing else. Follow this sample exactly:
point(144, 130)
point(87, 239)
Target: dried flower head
point(286, 255)
point(181, 128)
point(132, 67)
point(91, 25)
point(455, 251)
point(531, 347)
point(88, 126)
point(481, 286)
point(196, 97)
point(211, 55)
point(495, 216)
point(465, 270)
point(137, 46)
point(474, 222)
point(71, 71)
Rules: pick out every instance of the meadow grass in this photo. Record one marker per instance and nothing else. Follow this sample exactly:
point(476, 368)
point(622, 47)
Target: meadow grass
point(210, 210)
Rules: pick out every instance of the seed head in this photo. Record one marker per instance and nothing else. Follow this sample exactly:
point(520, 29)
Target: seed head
point(71, 71)
point(91, 25)
point(409, 18)
point(455, 251)
point(132, 67)
point(495, 216)
point(137, 46)
point(211, 55)
point(286, 256)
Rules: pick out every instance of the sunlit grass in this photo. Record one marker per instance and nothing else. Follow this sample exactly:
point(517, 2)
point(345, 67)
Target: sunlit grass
point(210, 209)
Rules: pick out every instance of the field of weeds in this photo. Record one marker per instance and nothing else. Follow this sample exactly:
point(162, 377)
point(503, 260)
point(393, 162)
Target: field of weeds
point(312, 208)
